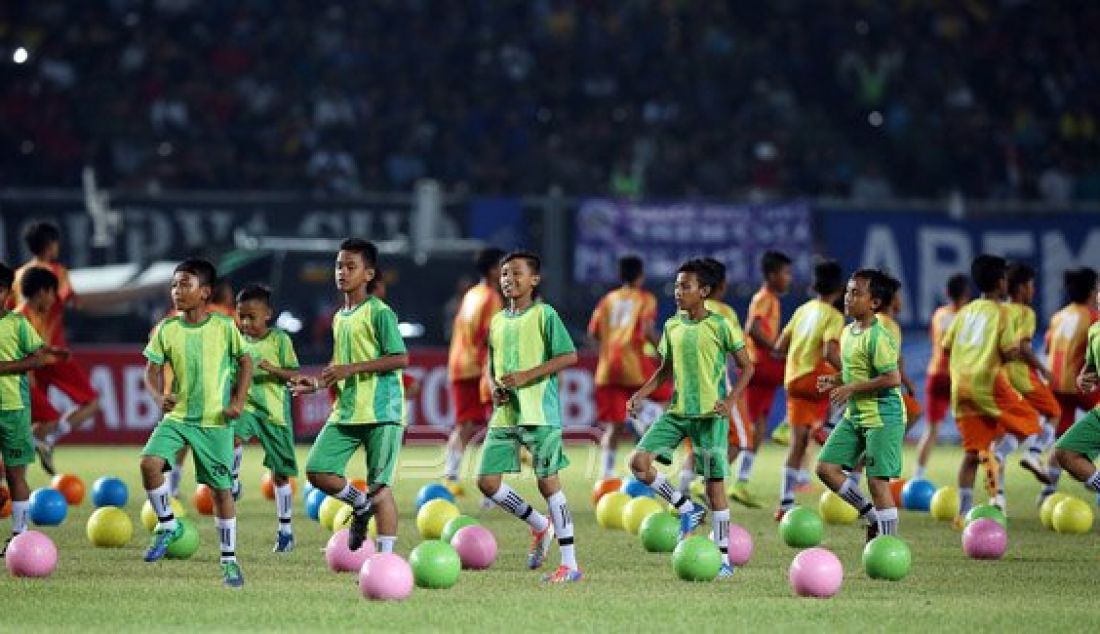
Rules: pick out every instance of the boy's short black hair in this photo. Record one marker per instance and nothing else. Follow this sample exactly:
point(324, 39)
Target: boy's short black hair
point(486, 259)
point(631, 268)
point(773, 262)
point(987, 271)
point(365, 248)
point(202, 269)
point(703, 270)
point(880, 285)
point(828, 277)
point(532, 260)
point(957, 287)
point(37, 279)
point(40, 235)
point(1018, 275)
point(1079, 284)
point(257, 292)
point(7, 276)
point(719, 268)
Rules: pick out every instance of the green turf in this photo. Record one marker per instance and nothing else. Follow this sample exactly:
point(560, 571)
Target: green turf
point(1046, 581)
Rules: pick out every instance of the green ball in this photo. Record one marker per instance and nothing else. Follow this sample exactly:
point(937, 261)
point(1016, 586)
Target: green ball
point(696, 559)
point(434, 564)
point(801, 528)
point(887, 557)
point(660, 532)
point(987, 510)
point(188, 542)
point(454, 525)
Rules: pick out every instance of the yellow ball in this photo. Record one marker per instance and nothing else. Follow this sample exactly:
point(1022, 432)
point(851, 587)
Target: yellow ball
point(609, 511)
point(109, 527)
point(636, 510)
point(835, 510)
point(433, 516)
point(1073, 516)
point(149, 517)
point(945, 504)
point(1046, 511)
point(329, 508)
point(343, 520)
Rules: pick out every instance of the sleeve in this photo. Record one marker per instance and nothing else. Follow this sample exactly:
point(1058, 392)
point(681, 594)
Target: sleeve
point(554, 333)
point(386, 332)
point(288, 359)
point(885, 356)
point(735, 338)
point(597, 317)
point(833, 327)
point(1009, 338)
point(234, 341)
point(154, 350)
point(29, 339)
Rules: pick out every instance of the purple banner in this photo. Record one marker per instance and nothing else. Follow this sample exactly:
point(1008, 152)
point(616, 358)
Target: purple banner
point(667, 234)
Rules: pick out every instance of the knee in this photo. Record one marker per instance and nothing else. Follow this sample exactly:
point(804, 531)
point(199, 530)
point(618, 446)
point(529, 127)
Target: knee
point(1061, 457)
point(640, 462)
point(318, 480)
point(488, 486)
point(280, 480)
point(151, 465)
point(824, 470)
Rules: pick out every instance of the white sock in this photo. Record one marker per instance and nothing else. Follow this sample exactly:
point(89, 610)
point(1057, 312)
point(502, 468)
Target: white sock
point(920, 473)
point(1044, 440)
point(1093, 483)
point(966, 500)
point(227, 538)
point(174, 477)
point(452, 464)
point(786, 487)
point(687, 476)
point(386, 543)
point(1006, 445)
point(854, 477)
point(19, 516)
point(284, 505)
point(238, 457)
point(608, 462)
point(511, 501)
point(563, 528)
point(161, 499)
point(744, 471)
point(353, 496)
point(63, 427)
point(682, 503)
point(720, 525)
point(1055, 474)
point(851, 494)
point(887, 521)
point(804, 477)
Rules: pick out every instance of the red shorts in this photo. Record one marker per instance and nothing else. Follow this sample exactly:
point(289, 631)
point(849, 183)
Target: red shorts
point(611, 403)
point(469, 403)
point(937, 396)
point(663, 393)
point(1070, 403)
point(767, 378)
point(67, 376)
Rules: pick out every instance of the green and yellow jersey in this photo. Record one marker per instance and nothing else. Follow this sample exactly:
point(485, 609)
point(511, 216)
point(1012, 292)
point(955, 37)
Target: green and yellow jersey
point(521, 341)
point(269, 397)
point(18, 339)
point(365, 333)
point(866, 353)
point(697, 351)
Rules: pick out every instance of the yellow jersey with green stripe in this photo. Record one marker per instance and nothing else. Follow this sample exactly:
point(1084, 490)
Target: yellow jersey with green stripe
point(698, 351)
point(203, 357)
point(521, 341)
point(866, 353)
point(978, 339)
point(723, 309)
point(365, 333)
point(1019, 372)
point(814, 324)
point(269, 396)
point(18, 340)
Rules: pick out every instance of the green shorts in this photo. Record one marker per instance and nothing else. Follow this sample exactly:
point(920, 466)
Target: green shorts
point(1083, 437)
point(709, 437)
point(276, 439)
point(16, 441)
point(879, 446)
point(500, 450)
point(211, 446)
point(337, 442)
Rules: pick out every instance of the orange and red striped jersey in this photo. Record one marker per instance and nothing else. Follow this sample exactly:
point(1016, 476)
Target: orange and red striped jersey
point(1066, 340)
point(52, 327)
point(619, 323)
point(763, 309)
point(939, 362)
point(469, 349)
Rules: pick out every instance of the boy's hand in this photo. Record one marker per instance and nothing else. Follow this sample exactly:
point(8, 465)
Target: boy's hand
point(500, 395)
point(1088, 382)
point(828, 382)
point(513, 380)
point(334, 374)
point(233, 410)
point(840, 394)
point(302, 384)
point(57, 354)
point(723, 407)
point(266, 365)
point(167, 402)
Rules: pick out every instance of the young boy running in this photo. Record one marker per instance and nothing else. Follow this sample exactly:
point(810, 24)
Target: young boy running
point(937, 385)
point(201, 348)
point(369, 410)
point(1077, 449)
point(873, 426)
point(267, 414)
point(528, 347)
point(694, 349)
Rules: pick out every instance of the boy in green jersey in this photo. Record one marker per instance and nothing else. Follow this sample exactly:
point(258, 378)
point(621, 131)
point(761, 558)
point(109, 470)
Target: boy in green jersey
point(201, 347)
point(528, 346)
point(694, 347)
point(867, 387)
point(267, 414)
point(369, 410)
point(1078, 448)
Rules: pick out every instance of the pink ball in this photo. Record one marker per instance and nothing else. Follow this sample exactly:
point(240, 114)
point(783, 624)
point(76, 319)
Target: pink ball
point(984, 539)
point(476, 547)
point(740, 545)
point(31, 554)
point(385, 577)
point(342, 559)
point(816, 572)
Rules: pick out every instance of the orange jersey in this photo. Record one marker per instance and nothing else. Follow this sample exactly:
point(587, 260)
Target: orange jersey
point(1066, 339)
point(979, 337)
point(764, 310)
point(470, 335)
point(941, 321)
point(619, 323)
point(814, 324)
point(52, 327)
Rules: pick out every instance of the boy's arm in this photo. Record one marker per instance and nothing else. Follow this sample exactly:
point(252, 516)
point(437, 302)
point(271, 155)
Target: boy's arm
point(745, 365)
point(756, 332)
point(660, 375)
point(1028, 356)
point(283, 374)
point(335, 373)
point(554, 365)
point(832, 353)
point(886, 380)
point(244, 382)
point(154, 382)
point(779, 350)
point(32, 361)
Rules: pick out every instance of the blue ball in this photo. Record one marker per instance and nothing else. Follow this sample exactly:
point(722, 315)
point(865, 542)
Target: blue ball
point(309, 488)
point(636, 488)
point(916, 495)
point(48, 507)
point(313, 503)
point(108, 491)
point(433, 491)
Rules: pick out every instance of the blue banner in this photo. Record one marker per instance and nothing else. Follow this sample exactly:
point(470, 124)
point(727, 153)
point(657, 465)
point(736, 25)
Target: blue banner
point(666, 234)
point(923, 249)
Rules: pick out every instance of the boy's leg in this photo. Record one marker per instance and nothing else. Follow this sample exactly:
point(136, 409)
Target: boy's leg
point(841, 453)
point(500, 455)
point(157, 457)
point(382, 445)
point(710, 438)
point(176, 473)
point(17, 451)
point(1078, 448)
point(212, 448)
point(325, 466)
point(471, 415)
point(659, 443)
point(545, 445)
point(882, 459)
point(277, 442)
